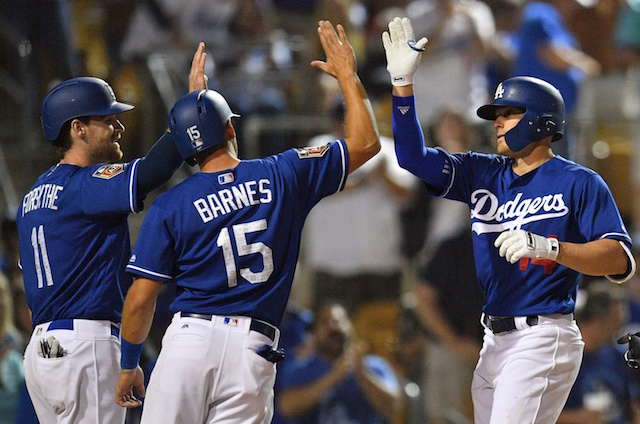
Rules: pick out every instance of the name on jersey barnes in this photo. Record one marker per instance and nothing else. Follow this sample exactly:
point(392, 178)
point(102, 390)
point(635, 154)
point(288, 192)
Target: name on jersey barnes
point(233, 198)
point(491, 216)
point(43, 196)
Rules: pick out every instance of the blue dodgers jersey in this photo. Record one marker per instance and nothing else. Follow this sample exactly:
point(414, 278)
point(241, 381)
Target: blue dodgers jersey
point(230, 240)
point(559, 199)
point(74, 241)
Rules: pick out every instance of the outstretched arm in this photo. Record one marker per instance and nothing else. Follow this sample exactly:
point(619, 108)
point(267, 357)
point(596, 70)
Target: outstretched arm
point(361, 130)
point(163, 159)
point(403, 55)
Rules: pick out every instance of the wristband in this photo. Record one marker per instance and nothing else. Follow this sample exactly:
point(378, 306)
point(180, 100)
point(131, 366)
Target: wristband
point(554, 248)
point(401, 80)
point(130, 355)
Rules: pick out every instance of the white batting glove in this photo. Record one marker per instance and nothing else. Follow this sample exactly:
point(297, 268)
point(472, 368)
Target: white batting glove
point(517, 244)
point(50, 348)
point(402, 51)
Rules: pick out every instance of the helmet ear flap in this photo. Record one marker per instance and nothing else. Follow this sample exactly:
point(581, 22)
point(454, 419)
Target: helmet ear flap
point(548, 126)
point(546, 122)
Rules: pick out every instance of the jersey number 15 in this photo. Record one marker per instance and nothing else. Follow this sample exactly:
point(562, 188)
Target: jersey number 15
point(243, 249)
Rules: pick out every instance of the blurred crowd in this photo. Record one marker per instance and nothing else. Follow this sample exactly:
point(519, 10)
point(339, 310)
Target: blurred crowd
point(386, 284)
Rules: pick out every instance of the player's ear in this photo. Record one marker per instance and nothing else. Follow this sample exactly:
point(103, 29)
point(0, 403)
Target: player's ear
point(78, 128)
point(231, 132)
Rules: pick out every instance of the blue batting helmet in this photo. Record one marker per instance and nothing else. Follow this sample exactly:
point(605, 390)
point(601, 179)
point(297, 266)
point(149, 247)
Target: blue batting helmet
point(544, 115)
point(198, 121)
point(82, 96)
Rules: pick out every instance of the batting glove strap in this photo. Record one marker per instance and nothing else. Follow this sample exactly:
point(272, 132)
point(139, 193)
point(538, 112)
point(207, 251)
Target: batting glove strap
point(516, 244)
point(130, 355)
point(402, 51)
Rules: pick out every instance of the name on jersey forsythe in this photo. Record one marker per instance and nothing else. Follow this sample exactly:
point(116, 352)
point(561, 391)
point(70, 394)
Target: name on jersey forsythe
point(491, 217)
point(234, 198)
point(43, 196)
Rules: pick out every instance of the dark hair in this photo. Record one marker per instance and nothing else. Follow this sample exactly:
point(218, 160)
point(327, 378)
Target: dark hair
point(62, 144)
point(326, 304)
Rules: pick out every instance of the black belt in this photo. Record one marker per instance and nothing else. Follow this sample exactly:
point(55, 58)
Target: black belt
point(503, 324)
point(67, 324)
point(256, 325)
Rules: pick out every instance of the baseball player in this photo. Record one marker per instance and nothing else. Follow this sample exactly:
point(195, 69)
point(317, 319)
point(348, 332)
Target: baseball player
point(229, 238)
point(539, 221)
point(74, 245)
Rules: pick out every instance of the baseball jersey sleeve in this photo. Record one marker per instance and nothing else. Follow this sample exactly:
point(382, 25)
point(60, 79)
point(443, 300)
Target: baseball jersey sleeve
point(311, 171)
point(597, 212)
point(153, 256)
point(111, 188)
point(599, 218)
point(428, 164)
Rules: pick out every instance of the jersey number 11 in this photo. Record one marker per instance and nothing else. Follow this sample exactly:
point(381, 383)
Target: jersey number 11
point(40, 253)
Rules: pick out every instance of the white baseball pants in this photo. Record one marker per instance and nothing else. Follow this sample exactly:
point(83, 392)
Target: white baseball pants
point(525, 376)
point(78, 387)
point(208, 372)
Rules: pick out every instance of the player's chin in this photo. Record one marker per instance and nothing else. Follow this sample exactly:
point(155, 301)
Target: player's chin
point(117, 153)
point(502, 148)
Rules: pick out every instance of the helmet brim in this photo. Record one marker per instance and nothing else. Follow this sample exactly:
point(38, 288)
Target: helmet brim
point(487, 112)
point(113, 109)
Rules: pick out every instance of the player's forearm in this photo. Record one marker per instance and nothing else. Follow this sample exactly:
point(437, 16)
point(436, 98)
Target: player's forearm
point(138, 311)
point(403, 90)
point(424, 162)
point(407, 135)
point(159, 165)
point(605, 257)
point(361, 130)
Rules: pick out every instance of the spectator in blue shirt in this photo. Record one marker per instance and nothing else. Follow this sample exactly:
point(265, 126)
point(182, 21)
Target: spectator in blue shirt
point(548, 49)
point(338, 382)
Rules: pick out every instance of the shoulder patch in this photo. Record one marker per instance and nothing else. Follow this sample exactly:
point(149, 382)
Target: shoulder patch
point(312, 152)
point(109, 171)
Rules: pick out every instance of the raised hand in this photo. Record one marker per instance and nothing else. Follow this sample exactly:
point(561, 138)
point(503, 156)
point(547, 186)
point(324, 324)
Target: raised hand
point(341, 60)
point(402, 51)
point(197, 78)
